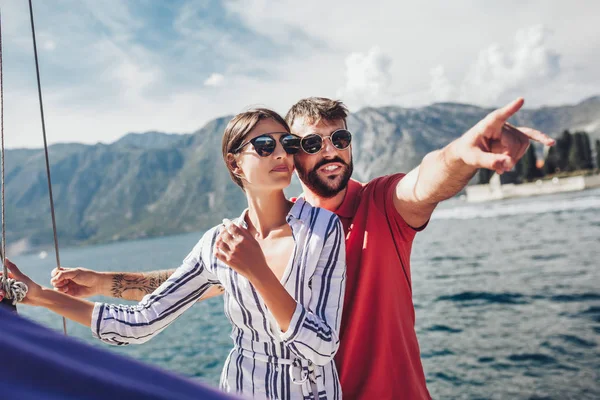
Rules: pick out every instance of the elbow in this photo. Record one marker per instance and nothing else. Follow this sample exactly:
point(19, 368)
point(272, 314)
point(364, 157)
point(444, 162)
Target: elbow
point(124, 339)
point(123, 329)
point(114, 341)
point(139, 340)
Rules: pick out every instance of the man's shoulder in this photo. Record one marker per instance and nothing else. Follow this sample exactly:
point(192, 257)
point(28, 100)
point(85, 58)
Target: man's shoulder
point(385, 179)
point(379, 193)
point(381, 185)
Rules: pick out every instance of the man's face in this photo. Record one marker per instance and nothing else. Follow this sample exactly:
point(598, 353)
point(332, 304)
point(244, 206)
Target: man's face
point(327, 172)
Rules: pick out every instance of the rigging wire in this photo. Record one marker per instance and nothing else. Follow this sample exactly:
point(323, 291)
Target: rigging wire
point(37, 70)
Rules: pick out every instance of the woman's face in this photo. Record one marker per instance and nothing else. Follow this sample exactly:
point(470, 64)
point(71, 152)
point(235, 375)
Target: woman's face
point(272, 172)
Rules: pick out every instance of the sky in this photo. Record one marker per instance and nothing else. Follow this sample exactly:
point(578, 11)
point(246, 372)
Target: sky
point(117, 66)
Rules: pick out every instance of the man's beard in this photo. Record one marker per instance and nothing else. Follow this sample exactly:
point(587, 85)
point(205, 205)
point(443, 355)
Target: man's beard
point(324, 187)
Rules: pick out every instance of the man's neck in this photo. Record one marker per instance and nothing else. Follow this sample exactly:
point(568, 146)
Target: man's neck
point(331, 204)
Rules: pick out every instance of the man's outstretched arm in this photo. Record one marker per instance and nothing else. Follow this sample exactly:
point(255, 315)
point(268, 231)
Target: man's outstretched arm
point(82, 282)
point(490, 144)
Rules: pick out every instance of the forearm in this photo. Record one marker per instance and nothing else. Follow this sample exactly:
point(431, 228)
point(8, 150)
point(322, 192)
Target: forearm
point(132, 285)
point(441, 175)
point(279, 302)
point(75, 309)
point(134, 324)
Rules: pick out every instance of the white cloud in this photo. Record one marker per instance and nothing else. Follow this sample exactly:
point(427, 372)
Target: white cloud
point(440, 87)
point(133, 78)
point(214, 80)
point(113, 67)
point(419, 36)
point(368, 78)
point(498, 74)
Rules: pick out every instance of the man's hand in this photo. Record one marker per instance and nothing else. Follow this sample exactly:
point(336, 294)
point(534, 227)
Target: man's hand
point(494, 144)
point(491, 144)
point(77, 282)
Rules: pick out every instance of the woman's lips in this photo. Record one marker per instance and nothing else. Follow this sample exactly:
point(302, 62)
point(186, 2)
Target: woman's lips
point(281, 168)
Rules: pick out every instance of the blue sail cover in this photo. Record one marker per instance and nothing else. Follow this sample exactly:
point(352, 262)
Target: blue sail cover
point(38, 363)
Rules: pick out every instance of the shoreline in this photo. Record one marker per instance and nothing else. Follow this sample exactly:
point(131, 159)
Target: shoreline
point(497, 191)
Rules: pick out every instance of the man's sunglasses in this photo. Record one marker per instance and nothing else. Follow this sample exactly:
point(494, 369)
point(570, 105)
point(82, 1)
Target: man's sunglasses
point(313, 143)
point(264, 145)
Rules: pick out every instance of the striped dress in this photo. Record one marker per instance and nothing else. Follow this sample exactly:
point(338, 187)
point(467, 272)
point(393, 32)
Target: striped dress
point(265, 363)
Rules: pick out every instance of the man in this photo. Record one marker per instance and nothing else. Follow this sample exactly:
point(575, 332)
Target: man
point(379, 354)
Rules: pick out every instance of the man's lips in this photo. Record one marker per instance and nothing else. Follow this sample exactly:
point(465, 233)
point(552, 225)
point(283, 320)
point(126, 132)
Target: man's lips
point(331, 168)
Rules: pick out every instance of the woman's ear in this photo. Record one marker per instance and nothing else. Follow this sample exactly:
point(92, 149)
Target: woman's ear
point(234, 165)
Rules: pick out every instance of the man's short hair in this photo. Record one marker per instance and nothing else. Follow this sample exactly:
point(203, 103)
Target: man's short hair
point(315, 109)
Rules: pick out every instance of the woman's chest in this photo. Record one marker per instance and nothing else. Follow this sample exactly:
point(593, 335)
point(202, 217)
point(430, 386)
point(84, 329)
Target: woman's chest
point(279, 255)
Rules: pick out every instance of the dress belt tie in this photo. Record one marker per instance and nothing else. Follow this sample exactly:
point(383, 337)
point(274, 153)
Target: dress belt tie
point(308, 376)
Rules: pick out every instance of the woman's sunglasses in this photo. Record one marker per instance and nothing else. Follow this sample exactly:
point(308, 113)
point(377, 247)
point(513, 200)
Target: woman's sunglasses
point(313, 143)
point(264, 145)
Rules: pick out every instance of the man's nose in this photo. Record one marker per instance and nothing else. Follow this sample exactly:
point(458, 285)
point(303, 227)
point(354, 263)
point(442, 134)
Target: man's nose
point(328, 148)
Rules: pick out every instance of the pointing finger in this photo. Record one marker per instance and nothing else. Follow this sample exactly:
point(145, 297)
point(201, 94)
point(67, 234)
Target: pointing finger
point(508, 110)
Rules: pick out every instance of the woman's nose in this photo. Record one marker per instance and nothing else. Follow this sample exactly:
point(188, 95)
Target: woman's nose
point(279, 151)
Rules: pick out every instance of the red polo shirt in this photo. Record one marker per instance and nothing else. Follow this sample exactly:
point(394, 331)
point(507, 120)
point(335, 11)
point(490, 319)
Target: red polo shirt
point(379, 355)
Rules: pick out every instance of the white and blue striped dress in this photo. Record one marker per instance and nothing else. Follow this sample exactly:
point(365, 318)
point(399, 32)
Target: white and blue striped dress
point(264, 362)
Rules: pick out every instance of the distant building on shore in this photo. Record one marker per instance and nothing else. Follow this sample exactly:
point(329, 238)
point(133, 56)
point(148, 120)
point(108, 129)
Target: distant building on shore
point(500, 188)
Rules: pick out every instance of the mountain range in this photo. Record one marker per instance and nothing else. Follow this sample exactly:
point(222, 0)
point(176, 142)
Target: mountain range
point(155, 183)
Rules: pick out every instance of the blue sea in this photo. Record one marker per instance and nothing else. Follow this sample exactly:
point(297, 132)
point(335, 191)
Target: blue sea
point(507, 298)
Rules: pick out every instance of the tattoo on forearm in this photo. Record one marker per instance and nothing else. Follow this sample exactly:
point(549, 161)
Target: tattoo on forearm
point(139, 283)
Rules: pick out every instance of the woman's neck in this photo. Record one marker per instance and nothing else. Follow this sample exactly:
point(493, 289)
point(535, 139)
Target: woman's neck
point(267, 212)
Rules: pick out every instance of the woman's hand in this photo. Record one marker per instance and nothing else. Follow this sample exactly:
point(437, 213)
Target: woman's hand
point(236, 247)
point(34, 292)
point(70, 307)
point(77, 282)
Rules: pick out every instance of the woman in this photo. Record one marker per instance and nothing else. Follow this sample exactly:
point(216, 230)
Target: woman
point(282, 266)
